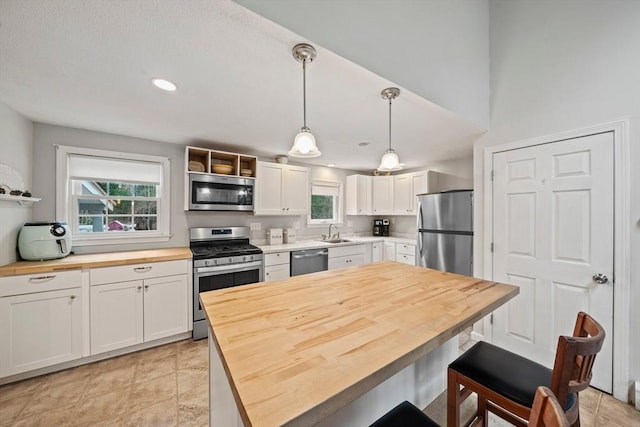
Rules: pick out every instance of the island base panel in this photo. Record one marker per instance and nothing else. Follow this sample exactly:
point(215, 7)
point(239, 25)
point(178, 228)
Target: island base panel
point(419, 383)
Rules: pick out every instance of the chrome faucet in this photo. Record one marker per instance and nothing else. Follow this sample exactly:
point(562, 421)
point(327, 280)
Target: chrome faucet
point(335, 236)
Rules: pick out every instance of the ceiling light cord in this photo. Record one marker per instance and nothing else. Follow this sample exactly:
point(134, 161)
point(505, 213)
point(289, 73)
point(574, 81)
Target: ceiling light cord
point(304, 93)
point(390, 123)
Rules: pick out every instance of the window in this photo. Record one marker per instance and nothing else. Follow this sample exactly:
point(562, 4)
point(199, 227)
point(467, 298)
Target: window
point(326, 203)
point(108, 197)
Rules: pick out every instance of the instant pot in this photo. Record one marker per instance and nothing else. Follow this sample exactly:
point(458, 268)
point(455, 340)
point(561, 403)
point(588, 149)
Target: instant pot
point(39, 241)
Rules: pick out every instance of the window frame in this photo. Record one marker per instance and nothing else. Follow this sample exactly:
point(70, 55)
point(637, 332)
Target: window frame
point(66, 200)
point(339, 210)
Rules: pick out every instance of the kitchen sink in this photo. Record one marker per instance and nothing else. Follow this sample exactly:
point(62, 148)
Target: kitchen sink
point(335, 241)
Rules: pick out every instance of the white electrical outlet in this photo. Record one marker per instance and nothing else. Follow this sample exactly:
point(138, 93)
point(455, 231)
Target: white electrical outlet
point(296, 225)
point(256, 226)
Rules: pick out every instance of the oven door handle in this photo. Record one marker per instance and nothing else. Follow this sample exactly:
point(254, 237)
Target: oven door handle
point(218, 269)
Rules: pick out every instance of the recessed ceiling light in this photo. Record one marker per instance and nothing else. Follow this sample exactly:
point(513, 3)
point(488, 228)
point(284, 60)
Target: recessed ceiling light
point(363, 144)
point(164, 84)
point(331, 165)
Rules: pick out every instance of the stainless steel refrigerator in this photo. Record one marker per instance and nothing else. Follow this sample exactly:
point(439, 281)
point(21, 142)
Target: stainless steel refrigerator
point(445, 231)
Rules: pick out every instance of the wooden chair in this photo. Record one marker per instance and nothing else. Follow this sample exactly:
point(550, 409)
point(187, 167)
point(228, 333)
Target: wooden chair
point(546, 412)
point(506, 383)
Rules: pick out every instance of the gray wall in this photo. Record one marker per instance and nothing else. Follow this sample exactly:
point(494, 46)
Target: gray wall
point(456, 172)
point(16, 146)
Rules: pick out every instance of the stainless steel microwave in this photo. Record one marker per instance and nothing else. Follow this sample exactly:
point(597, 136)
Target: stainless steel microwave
point(220, 193)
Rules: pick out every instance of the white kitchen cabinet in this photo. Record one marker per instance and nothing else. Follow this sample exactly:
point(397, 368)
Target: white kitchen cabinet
point(382, 195)
point(281, 189)
point(39, 330)
point(346, 256)
point(117, 317)
point(376, 251)
point(165, 312)
point(133, 304)
point(276, 266)
point(405, 189)
point(389, 251)
point(358, 200)
point(406, 253)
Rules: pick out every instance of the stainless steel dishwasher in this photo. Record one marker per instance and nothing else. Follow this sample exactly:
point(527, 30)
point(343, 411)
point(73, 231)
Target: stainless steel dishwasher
point(309, 261)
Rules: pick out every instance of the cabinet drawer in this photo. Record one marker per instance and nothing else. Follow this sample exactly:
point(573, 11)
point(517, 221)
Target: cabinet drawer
point(30, 283)
point(402, 248)
point(276, 258)
point(406, 259)
point(124, 273)
point(346, 261)
point(346, 250)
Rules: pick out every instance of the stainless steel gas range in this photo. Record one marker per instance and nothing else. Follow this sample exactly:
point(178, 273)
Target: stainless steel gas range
point(222, 258)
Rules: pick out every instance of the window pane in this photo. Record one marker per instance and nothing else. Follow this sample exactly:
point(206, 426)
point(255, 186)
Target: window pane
point(143, 207)
point(144, 223)
point(321, 207)
point(120, 189)
point(120, 223)
point(91, 224)
point(145, 190)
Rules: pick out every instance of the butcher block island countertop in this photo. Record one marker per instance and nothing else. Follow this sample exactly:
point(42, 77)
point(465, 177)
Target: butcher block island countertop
point(298, 350)
point(72, 262)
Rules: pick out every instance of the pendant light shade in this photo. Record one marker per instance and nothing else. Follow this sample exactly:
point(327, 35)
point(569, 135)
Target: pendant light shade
point(304, 144)
point(390, 161)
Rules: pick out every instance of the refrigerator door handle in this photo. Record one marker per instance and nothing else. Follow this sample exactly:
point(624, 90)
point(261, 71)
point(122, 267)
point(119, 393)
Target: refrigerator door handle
point(419, 226)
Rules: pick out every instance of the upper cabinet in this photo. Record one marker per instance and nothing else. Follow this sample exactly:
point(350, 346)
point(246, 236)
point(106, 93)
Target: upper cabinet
point(281, 189)
point(358, 195)
point(388, 195)
point(382, 195)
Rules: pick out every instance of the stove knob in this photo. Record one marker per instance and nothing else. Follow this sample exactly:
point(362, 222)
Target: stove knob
point(230, 260)
point(215, 261)
point(244, 258)
point(206, 263)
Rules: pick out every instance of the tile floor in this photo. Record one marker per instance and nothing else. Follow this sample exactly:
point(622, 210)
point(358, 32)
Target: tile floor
point(168, 386)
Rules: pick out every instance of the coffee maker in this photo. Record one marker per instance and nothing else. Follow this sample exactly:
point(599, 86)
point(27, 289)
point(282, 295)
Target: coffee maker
point(381, 227)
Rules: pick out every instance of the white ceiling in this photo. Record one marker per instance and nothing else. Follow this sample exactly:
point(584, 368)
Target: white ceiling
point(89, 64)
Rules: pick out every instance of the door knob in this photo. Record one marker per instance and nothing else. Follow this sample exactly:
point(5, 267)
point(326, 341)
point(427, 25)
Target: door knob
point(600, 278)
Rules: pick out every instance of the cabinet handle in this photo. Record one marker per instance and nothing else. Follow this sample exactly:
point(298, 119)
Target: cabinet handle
point(41, 278)
point(142, 269)
point(139, 287)
point(268, 274)
point(72, 297)
point(146, 286)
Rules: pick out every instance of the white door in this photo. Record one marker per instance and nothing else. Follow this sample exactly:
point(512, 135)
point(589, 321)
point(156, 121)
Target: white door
point(552, 232)
point(116, 316)
point(376, 252)
point(273, 273)
point(41, 329)
point(389, 251)
point(165, 307)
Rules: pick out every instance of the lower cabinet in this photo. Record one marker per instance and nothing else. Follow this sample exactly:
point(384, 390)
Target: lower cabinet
point(346, 256)
point(377, 252)
point(40, 329)
point(132, 304)
point(276, 266)
point(129, 313)
point(389, 251)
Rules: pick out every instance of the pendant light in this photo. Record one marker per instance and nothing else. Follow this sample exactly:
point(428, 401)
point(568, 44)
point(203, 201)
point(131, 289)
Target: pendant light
point(390, 161)
point(304, 144)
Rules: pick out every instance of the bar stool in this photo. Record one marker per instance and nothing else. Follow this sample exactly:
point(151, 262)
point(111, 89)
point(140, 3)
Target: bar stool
point(546, 412)
point(506, 383)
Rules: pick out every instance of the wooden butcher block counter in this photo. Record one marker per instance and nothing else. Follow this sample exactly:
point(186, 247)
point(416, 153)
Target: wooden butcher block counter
point(72, 262)
point(298, 350)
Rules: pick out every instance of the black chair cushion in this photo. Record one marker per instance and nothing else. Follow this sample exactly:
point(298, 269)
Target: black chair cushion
point(506, 373)
point(404, 415)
